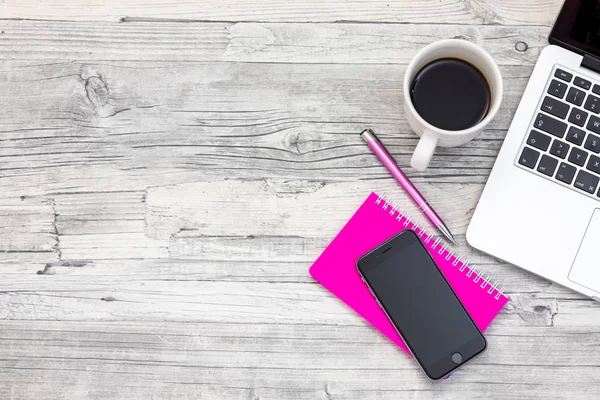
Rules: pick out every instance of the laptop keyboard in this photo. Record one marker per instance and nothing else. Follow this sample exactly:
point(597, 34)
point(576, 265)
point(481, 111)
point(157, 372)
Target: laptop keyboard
point(563, 141)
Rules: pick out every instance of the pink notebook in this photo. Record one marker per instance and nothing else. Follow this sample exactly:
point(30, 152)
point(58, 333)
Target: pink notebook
point(376, 221)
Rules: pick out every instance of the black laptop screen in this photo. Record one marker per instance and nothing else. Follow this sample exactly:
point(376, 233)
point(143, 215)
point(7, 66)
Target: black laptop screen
point(578, 27)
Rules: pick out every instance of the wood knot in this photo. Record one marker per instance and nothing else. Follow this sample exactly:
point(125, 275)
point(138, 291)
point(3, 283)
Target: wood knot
point(521, 47)
point(533, 311)
point(97, 91)
point(301, 142)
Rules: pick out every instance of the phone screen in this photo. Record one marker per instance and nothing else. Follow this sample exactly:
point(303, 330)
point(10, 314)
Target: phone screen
point(421, 304)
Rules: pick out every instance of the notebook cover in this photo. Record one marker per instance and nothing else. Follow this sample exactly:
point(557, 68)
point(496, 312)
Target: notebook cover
point(372, 224)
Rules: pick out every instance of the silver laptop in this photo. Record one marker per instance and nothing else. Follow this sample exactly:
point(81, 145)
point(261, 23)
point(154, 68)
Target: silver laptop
point(540, 209)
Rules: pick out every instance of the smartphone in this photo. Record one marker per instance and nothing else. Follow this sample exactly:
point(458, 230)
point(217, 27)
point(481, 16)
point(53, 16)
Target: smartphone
point(420, 303)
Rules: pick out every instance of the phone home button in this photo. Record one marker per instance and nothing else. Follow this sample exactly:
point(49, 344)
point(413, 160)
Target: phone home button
point(456, 358)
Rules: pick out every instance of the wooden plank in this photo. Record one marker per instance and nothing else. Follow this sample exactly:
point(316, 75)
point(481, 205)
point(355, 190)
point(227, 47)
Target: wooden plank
point(376, 43)
point(112, 246)
point(103, 272)
point(305, 128)
point(100, 212)
point(27, 230)
point(27, 224)
point(275, 207)
point(105, 225)
point(48, 297)
point(506, 13)
point(300, 342)
point(345, 43)
point(190, 245)
point(284, 347)
point(273, 360)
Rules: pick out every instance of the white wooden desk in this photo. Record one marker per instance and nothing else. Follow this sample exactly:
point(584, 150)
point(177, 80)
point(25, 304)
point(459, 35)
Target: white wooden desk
point(169, 172)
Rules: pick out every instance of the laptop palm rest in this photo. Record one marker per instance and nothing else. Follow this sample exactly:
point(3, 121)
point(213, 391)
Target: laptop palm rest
point(586, 269)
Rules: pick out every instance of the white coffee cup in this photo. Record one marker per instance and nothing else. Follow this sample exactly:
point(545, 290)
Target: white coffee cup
point(431, 136)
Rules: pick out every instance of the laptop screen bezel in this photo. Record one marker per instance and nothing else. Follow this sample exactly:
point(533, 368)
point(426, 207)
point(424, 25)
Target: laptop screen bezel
point(560, 34)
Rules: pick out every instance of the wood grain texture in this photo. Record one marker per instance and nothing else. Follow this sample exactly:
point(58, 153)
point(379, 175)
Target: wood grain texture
point(105, 116)
point(504, 12)
point(354, 43)
point(167, 184)
point(216, 360)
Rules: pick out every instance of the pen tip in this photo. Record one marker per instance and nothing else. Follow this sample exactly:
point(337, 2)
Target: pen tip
point(444, 229)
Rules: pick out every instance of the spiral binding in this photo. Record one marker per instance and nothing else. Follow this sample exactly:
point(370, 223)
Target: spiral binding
point(443, 250)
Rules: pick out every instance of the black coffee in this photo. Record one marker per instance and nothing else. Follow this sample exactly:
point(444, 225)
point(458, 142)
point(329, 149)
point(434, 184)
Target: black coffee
point(450, 94)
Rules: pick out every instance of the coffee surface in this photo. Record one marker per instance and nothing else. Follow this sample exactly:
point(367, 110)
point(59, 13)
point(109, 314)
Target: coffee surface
point(450, 94)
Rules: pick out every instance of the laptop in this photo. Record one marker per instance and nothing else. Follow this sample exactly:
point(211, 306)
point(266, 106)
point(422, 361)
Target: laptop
point(540, 209)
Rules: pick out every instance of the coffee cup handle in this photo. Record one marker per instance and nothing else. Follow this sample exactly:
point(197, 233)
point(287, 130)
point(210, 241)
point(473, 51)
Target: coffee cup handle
point(422, 155)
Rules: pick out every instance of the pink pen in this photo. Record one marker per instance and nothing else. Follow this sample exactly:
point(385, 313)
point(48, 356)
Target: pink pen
point(377, 147)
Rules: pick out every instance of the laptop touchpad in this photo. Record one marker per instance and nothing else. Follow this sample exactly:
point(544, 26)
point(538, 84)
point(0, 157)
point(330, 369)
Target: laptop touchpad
point(585, 270)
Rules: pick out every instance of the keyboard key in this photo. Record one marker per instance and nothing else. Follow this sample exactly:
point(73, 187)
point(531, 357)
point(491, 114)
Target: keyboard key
point(566, 173)
point(564, 75)
point(592, 143)
point(594, 164)
point(575, 135)
point(592, 103)
point(575, 96)
point(578, 156)
point(539, 140)
point(596, 89)
point(582, 83)
point(557, 88)
point(586, 181)
point(529, 157)
point(555, 107)
point(550, 125)
point(547, 165)
point(559, 149)
point(594, 124)
point(578, 116)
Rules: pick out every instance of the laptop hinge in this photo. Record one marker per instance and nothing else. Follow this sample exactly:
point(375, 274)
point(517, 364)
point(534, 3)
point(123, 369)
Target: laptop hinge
point(591, 62)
